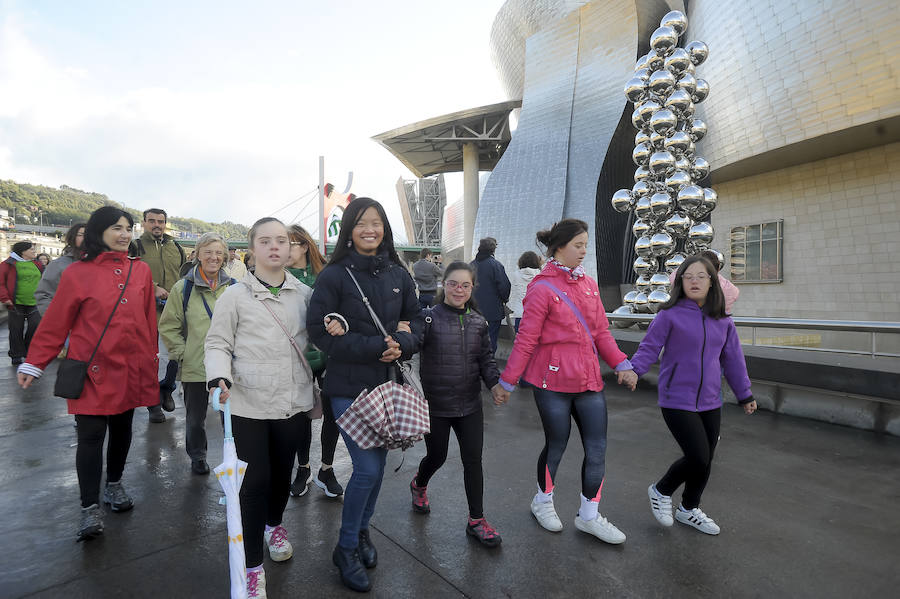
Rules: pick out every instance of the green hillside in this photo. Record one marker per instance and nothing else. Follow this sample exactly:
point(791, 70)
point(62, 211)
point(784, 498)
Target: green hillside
point(33, 204)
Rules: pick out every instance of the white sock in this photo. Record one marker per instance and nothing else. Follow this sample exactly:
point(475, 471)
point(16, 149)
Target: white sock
point(589, 509)
point(683, 509)
point(269, 528)
point(258, 568)
point(542, 497)
point(658, 494)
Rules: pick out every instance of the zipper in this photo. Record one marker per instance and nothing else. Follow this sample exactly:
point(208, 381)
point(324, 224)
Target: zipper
point(465, 348)
point(702, 350)
point(672, 376)
point(161, 261)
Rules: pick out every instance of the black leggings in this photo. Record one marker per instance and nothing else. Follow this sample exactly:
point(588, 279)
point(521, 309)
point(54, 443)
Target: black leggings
point(697, 434)
point(329, 436)
point(268, 447)
point(89, 455)
point(470, 435)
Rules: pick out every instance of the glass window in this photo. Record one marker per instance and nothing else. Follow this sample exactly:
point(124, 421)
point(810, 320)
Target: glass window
point(756, 252)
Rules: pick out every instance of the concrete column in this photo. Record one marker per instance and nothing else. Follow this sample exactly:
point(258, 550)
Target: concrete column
point(470, 196)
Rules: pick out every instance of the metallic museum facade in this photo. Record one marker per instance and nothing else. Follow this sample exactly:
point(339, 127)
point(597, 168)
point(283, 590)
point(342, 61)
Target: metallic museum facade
point(804, 143)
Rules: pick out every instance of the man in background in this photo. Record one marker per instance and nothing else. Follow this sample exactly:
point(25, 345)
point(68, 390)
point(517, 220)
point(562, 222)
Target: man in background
point(427, 274)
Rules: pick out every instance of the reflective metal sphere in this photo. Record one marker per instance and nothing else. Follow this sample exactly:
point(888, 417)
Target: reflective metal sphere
point(640, 228)
point(640, 137)
point(641, 188)
point(673, 262)
point(622, 200)
point(661, 82)
point(697, 129)
point(676, 20)
point(642, 284)
point(629, 297)
point(656, 299)
point(636, 90)
point(720, 256)
point(641, 153)
point(663, 121)
point(688, 112)
point(661, 205)
point(701, 92)
point(641, 63)
point(678, 101)
point(642, 208)
point(655, 61)
point(699, 168)
point(660, 280)
point(698, 51)
point(625, 309)
point(691, 249)
point(677, 180)
point(683, 163)
point(643, 74)
point(641, 303)
point(646, 110)
point(664, 40)
point(636, 119)
point(686, 81)
point(678, 61)
point(677, 142)
point(662, 244)
point(701, 234)
point(641, 174)
point(678, 224)
point(662, 163)
point(710, 200)
point(689, 198)
point(645, 266)
point(642, 246)
point(657, 141)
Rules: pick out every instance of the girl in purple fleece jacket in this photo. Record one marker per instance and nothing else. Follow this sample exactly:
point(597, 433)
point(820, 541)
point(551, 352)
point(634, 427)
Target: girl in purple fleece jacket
point(699, 341)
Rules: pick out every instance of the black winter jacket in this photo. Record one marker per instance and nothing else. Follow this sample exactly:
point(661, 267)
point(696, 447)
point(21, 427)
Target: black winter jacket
point(353, 359)
point(492, 286)
point(455, 357)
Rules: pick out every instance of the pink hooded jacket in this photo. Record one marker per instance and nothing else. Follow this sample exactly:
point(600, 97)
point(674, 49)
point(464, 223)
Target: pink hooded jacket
point(729, 290)
point(552, 350)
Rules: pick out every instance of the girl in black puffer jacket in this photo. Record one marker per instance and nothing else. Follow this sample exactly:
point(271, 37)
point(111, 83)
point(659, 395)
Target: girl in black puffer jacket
point(456, 356)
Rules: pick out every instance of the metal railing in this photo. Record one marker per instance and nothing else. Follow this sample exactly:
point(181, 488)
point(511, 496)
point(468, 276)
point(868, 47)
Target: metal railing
point(872, 328)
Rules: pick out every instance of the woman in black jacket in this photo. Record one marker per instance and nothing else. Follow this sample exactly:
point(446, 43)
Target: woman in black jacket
point(456, 357)
point(362, 358)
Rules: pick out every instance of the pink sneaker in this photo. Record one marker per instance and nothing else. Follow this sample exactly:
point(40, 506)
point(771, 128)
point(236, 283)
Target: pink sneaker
point(256, 584)
point(419, 497)
point(484, 532)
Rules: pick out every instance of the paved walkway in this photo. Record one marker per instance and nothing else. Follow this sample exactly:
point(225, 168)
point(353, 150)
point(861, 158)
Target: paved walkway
point(806, 510)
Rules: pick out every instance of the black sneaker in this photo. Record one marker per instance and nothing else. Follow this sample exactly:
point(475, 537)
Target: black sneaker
point(156, 414)
point(91, 523)
point(199, 467)
point(326, 481)
point(301, 483)
point(116, 497)
point(166, 400)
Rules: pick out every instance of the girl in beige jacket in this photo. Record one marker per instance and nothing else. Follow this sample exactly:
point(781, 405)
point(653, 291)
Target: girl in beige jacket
point(251, 358)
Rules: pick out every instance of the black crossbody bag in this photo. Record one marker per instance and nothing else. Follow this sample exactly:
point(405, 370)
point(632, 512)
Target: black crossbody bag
point(71, 373)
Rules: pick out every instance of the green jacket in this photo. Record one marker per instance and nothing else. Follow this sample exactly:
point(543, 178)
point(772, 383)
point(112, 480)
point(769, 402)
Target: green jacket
point(317, 358)
point(189, 352)
point(163, 257)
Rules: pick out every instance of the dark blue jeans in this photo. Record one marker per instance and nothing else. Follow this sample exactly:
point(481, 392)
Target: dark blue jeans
point(364, 484)
point(494, 333)
point(557, 411)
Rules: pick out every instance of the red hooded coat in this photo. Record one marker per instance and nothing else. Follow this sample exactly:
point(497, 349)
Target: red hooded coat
point(123, 374)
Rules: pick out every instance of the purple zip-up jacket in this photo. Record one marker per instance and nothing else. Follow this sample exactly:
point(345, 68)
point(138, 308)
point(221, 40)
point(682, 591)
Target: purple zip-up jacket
point(697, 348)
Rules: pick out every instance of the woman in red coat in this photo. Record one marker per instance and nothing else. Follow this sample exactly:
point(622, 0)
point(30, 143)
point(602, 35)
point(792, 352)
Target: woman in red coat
point(122, 374)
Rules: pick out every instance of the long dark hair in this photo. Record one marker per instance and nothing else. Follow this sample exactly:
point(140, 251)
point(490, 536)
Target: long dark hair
point(714, 306)
point(71, 238)
point(471, 304)
point(560, 234)
point(352, 214)
point(101, 219)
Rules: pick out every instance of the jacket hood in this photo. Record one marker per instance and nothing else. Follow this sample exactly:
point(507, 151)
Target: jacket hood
point(528, 274)
point(258, 289)
point(196, 278)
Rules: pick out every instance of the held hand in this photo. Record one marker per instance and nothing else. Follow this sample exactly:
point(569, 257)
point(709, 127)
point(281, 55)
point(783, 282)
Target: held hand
point(161, 293)
point(628, 378)
point(392, 352)
point(225, 392)
point(501, 395)
point(24, 380)
point(334, 327)
point(403, 327)
point(749, 408)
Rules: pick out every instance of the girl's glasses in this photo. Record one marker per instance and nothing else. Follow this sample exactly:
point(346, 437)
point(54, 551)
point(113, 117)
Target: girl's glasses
point(701, 277)
point(457, 285)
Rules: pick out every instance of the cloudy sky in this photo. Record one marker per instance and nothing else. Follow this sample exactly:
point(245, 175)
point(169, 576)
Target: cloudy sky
point(219, 110)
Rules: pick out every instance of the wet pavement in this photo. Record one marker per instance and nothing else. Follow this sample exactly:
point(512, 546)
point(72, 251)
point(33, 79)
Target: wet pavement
point(806, 509)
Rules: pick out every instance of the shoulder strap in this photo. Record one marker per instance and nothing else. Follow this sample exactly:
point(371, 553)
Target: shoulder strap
point(140, 246)
point(568, 302)
point(186, 294)
point(291, 340)
point(180, 250)
point(368, 305)
point(109, 320)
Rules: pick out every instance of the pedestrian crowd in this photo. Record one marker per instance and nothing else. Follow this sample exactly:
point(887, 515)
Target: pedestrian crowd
point(288, 336)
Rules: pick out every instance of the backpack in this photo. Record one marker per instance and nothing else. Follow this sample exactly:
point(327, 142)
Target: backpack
point(186, 296)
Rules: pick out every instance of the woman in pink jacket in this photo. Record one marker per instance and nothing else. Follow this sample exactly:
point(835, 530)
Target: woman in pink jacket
point(562, 333)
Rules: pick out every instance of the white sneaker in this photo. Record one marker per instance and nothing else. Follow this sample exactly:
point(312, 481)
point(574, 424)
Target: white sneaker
point(661, 506)
point(546, 515)
point(256, 585)
point(698, 520)
point(601, 528)
point(279, 547)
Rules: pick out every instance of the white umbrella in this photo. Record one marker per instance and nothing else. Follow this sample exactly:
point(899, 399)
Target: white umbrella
point(231, 474)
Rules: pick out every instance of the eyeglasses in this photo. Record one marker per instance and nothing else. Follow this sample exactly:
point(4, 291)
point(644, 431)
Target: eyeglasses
point(300, 243)
point(701, 277)
point(457, 285)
